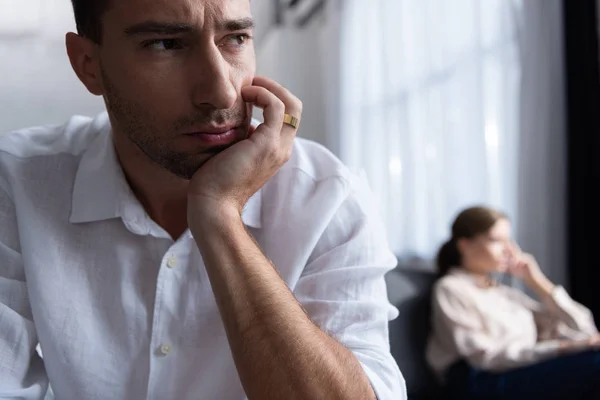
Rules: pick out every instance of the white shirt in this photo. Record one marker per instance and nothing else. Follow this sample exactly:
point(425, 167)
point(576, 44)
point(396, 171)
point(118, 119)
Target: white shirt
point(121, 311)
point(500, 328)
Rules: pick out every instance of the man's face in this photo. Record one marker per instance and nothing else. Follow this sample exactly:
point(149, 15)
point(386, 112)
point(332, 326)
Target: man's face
point(172, 73)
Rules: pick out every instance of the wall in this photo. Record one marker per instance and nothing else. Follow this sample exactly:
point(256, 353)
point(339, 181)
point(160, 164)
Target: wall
point(296, 58)
point(38, 85)
point(542, 181)
point(292, 58)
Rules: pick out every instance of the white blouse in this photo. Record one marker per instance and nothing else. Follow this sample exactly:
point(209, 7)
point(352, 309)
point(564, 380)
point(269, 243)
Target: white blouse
point(499, 328)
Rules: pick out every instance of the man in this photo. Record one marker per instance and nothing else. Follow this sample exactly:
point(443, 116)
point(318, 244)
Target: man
point(170, 249)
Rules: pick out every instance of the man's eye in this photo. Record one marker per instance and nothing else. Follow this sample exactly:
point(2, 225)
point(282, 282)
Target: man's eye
point(163, 44)
point(239, 40)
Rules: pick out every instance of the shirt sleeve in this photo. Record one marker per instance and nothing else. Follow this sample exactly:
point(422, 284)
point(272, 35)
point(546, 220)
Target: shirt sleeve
point(474, 344)
point(343, 289)
point(575, 315)
point(559, 316)
point(22, 372)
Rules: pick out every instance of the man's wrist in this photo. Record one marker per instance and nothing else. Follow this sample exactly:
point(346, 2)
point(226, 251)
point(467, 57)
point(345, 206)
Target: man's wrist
point(208, 216)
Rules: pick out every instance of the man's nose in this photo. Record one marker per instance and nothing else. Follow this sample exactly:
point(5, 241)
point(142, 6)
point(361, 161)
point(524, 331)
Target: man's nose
point(213, 81)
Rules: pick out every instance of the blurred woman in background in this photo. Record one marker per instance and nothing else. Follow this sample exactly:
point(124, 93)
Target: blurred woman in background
point(492, 341)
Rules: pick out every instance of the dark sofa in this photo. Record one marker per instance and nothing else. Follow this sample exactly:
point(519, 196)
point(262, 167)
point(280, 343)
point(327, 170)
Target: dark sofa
point(410, 291)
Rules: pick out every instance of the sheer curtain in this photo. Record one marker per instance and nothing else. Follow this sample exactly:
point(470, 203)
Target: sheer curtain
point(429, 94)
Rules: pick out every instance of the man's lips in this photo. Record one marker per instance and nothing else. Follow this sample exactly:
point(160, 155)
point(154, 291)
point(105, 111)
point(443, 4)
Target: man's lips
point(213, 130)
point(215, 136)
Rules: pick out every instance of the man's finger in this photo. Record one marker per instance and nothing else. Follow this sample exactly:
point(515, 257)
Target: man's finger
point(293, 105)
point(273, 107)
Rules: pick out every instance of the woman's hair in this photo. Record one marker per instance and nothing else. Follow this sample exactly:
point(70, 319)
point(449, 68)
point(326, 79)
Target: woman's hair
point(468, 224)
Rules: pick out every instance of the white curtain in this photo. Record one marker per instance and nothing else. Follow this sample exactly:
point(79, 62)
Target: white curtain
point(430, 92)
point(429, 103)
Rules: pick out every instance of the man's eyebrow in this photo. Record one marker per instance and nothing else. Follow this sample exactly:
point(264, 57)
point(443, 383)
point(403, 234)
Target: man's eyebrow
point(174, 28)
point(158, 28)
point(241, 24)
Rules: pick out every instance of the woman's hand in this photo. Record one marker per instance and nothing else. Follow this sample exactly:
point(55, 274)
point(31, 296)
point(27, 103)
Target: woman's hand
point(525, 267)
point(573, 346)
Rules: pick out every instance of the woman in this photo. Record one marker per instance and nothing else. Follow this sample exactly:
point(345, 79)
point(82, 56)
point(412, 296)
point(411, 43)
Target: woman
point(491, 341)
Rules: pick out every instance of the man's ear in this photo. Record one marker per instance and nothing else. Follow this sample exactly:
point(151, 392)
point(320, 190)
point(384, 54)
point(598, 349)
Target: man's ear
point(83, 54)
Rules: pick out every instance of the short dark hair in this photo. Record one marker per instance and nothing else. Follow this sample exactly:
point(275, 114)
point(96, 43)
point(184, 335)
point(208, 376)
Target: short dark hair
point(88, 17)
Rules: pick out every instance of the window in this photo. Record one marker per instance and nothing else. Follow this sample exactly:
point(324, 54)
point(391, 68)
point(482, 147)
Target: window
point(430, 101)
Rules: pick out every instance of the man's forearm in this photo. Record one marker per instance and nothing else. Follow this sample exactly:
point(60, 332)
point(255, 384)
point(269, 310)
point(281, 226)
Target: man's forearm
point(278, 351)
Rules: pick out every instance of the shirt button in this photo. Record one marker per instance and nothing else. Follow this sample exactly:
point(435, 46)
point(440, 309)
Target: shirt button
point(165, 349)
point(172, 262)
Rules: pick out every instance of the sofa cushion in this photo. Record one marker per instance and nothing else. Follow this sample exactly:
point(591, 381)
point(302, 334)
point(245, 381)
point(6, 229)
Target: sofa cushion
point(410, 291)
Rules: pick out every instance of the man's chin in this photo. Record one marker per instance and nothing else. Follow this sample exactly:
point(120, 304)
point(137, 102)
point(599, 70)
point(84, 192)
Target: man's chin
point(185, 169)
point(185, 165)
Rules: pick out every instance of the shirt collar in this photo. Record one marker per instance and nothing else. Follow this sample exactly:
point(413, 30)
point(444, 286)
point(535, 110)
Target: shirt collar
point(477, 280)
point(101, 191)
point(96, 181)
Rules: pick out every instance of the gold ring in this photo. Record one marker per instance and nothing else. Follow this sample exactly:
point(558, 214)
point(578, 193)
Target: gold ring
point(291, 121)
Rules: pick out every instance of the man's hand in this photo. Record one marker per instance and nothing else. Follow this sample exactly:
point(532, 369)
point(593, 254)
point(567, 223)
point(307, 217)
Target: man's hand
point(229, 179)
point(278, 351)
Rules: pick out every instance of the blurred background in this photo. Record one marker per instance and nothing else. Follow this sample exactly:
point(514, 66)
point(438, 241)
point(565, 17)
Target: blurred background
point(444, 104)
